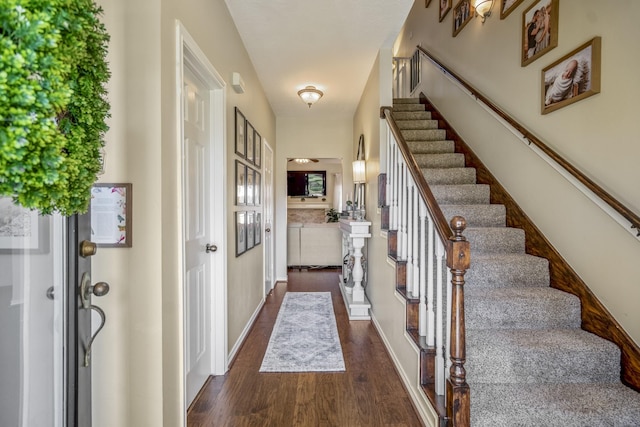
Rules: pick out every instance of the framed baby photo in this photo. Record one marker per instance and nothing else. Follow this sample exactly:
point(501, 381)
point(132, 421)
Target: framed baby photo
point(573, 77)
point(462, 13)
point(539, 29)
point(508, 6)
point(445, 7)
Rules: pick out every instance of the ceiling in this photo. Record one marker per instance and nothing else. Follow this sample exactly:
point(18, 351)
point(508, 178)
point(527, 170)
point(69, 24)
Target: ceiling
point(331, 44)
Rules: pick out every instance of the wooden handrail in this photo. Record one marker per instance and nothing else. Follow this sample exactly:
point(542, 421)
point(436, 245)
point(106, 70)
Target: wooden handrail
point(624, 211)
point(440, 222)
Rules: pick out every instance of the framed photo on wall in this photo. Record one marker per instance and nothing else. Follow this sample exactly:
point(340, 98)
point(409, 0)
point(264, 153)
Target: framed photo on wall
point(241, 142)
point(111, 215)
point(250, 186)
point(257, 150)
point(257, 188)
point(445, 7)
point(251, 231)
point(22, 230)
point(462, 13)
point(573, 77)
point(539, 29)
point(241, 233)
point(250, 143)
point(258, 227)
point(508, 6)
point(241, 183)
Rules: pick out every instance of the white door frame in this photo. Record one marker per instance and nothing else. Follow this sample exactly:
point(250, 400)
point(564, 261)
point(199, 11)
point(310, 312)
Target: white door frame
point(269, 185)
point(190, 55)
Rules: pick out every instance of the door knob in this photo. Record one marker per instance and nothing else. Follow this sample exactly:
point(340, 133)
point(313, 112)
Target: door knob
point(211, 248)
point(268, 230)
point(87, 289)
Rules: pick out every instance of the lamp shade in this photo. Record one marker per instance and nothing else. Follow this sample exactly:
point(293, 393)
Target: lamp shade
point(359, 172)
point(310, 95)
point(483, 7)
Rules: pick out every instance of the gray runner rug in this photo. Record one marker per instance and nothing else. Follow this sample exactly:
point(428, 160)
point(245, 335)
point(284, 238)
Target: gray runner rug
point(305, 336)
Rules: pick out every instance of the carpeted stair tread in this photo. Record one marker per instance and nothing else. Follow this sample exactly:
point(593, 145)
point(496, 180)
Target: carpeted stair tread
point(566, 405)
point(411, 115)
point(440, 160)
point(540, 356)
point(431, 147)
point(417, 124)
point(507, 270)
point(449, 176)
point(495, 239)
point(406, 101)
point(461, 194)
point(424, 134)
point(520, 308)
point(484, 215)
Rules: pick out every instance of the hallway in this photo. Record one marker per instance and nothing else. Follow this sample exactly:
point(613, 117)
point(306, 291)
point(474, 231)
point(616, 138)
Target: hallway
point(369, 393)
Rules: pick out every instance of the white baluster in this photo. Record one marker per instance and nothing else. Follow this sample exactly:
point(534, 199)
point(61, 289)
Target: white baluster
point(440, 301)
point(409, 266)
point(422, 262)
point(431, 285)
point(416, 240)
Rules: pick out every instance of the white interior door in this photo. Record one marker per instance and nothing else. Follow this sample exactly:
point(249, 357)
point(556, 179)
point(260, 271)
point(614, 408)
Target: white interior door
point(268, 219)
point(197, 232)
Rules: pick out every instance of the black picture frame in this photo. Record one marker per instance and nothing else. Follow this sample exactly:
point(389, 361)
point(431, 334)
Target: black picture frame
point(241, 183)
point(257, 150)
point(250, 132)
point(241, 233)
point(251, 231)
point(240, 140)
point(258, 227)
point(250, 186)
point(257, 188)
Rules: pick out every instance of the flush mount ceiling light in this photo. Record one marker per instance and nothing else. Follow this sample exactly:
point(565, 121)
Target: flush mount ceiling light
point(310, 95)
point(483, 8)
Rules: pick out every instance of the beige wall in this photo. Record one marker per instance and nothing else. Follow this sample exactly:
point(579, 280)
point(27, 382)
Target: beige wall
point(595, 134)
point(312, 137)
point(139, 352)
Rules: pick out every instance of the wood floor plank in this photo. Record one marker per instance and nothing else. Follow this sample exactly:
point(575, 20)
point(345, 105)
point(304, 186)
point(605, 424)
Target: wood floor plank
point(368, 393)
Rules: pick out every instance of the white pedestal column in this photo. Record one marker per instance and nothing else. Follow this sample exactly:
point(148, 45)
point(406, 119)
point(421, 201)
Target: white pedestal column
point(354, 235)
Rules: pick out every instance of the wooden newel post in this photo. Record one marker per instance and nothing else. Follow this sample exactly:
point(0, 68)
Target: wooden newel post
point(458, 261)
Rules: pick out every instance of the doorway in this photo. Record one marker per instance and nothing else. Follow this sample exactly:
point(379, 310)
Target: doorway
point(202, 129)
point(269, 267)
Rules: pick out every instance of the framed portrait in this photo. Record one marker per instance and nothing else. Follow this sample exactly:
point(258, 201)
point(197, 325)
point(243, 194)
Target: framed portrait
point(257, 190)
point(508, 6)
point(250, 186)
point(257, 149)
point(462, 13)
point(241, 233)
point(22, 230)
point(241, 183)
point(539, 29)
point(445, 7)
point(573, 77)
point(111, 215)
point(250, 143)
point(251, 231)
point(258, 227)
point(427, 3)
point(241, 141)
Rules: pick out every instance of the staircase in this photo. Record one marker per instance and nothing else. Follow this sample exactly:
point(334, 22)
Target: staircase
point(528, 362)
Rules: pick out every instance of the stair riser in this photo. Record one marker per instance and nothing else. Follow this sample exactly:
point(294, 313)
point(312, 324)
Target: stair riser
point(495, 240)
point(450, 176)
point(477, 215)
point(507, 359)
point(529, 271)
point(408, 107)
point(460, 194)
point(550, 309)
point(431, 147)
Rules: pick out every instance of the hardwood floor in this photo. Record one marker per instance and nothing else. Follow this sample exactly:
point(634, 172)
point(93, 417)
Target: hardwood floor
point(368, 393)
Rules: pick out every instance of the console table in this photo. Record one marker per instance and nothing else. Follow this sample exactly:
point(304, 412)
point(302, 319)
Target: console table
point(354, 234)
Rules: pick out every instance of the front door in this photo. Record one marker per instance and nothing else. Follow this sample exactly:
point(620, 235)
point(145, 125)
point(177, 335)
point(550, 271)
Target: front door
point(197, 231)
point(42, 380)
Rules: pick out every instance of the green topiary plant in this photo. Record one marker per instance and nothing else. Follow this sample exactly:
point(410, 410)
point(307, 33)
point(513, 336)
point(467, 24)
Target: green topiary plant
point(53, 104)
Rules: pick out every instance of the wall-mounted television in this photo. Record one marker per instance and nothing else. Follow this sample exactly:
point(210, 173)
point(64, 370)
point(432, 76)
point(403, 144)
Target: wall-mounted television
point(306, 183)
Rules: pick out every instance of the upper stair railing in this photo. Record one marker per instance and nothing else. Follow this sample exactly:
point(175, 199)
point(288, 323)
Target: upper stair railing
point(630, 220)
point(426, 243)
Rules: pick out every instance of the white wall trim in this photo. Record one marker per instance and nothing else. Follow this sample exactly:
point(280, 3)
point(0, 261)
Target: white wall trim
point(420, 401)
point(245, 331)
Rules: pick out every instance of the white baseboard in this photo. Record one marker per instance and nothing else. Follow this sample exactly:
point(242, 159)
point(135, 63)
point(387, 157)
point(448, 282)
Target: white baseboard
point(420, 402)
point(245, 332)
